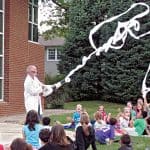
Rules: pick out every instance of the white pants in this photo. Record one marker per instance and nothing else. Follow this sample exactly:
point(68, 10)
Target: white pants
point(131, 131)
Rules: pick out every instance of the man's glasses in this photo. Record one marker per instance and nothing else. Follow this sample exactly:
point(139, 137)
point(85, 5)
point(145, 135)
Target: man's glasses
point(33, 71)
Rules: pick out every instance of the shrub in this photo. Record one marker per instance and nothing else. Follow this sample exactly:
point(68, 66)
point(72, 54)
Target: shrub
point(59, 96)
point(53, 79)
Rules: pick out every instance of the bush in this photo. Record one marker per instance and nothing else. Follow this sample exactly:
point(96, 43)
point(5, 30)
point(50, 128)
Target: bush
point(58, 97)
point(53, 79)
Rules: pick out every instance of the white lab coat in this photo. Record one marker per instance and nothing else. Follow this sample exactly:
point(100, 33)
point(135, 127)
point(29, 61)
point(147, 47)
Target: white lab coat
point(32, 89)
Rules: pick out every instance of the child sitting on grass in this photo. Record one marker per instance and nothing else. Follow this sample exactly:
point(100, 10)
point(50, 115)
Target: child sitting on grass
point(99, 123)
point(132, 111)
point(46, 122)
point(31, 129)
point(124, 119)
point(125, 142)
point(106, 135)
point(75, 120)
point(77, 114)
point(103, 113)
point(148, 126)
point(138, 126)
point(44, 136)
point(20, 144)
point(85, 134)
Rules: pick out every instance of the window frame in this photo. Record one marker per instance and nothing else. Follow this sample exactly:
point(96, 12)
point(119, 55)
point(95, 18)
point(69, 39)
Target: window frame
point(32, 22)
point(56, 54)
point(2, 55)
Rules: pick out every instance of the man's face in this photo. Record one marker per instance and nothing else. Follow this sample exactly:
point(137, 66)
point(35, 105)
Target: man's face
point(33, 71)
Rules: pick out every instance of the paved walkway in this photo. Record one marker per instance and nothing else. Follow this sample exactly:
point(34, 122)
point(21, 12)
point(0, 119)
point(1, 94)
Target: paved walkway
point(11, 126)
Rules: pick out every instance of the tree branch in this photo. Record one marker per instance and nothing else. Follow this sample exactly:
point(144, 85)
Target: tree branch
point(59, 4)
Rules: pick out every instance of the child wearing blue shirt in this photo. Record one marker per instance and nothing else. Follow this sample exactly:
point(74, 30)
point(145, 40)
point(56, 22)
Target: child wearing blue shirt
point(76, 114)
point(32, 128)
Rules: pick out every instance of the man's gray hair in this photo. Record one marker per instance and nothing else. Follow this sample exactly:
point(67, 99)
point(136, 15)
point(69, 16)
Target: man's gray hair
point(29, 68)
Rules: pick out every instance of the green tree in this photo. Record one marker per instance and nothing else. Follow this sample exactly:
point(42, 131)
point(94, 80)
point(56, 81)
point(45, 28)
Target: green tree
point(57, 17)
point(85, 83)
point(116, 75)
point(123, 70)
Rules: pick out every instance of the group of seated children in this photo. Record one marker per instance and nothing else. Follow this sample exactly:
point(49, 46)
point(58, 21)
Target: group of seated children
point(86, 130)
point(55, 137)
point(104, 128)
point(134, 120)
point(103, 131)
point(41, 136)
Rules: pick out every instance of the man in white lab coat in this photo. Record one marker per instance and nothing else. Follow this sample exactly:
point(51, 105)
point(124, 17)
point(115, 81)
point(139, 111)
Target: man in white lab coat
point(32, 90)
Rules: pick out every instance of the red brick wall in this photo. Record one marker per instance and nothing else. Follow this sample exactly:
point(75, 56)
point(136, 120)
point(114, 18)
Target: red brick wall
point(18, 54)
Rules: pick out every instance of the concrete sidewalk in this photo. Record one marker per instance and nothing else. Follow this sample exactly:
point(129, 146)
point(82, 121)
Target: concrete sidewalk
point(9, 131)
point(11, 126)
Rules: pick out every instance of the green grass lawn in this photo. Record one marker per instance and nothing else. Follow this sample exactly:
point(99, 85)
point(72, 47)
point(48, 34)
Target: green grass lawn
point(139, 143)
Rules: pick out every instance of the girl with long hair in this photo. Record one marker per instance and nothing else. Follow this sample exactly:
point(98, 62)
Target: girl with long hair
point(31, 129)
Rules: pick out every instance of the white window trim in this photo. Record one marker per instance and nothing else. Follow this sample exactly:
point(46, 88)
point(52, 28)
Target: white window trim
point(34, 42)
point(32, 22)
point(2, 33)
point(56, 51)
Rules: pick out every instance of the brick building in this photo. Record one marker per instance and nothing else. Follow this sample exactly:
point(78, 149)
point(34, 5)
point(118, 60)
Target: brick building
point(18, 49)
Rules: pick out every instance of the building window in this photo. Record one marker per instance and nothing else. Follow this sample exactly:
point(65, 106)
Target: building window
point(53, 54)
point(1, 47)
point(1, 4)
point(33, 20)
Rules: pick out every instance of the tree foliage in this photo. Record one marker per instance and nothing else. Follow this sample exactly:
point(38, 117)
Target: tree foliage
point(85, 83)
point(57, 17)
point(123, 70)
point(116, 75)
